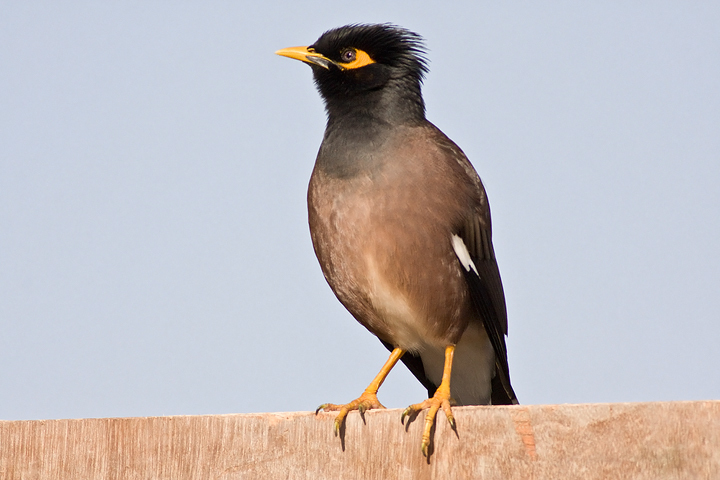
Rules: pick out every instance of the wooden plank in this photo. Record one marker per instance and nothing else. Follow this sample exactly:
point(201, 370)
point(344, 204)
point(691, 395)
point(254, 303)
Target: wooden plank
point(673, 440)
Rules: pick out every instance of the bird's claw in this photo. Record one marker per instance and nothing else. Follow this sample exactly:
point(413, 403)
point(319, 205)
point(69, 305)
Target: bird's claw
point(425, 446)
point(439, 400)
point(366, 401)
point(338, 423)
point(321, 407)
point(406, 413)
point(451, 420)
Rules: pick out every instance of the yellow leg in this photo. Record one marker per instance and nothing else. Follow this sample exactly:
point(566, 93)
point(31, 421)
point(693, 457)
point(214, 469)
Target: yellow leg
point(440, 399)
point(368, 399)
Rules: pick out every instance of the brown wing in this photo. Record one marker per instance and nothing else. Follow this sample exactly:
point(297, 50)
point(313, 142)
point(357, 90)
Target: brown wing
point(485, 286)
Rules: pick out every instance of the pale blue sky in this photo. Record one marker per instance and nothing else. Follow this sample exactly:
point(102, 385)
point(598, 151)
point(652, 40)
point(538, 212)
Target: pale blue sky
point(154, 158)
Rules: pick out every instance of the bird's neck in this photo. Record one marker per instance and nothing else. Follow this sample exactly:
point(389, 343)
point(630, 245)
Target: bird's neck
point(396, 103)
point(359, 126)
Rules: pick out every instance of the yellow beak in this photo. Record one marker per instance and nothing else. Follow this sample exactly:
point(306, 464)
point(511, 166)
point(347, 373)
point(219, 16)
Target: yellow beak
point(304, 54)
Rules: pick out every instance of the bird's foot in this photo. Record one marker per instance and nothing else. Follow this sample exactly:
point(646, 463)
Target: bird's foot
point(366, 401)
point(440, 399)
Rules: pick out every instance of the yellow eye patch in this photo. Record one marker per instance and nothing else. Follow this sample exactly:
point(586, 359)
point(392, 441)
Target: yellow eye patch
point(353, 58)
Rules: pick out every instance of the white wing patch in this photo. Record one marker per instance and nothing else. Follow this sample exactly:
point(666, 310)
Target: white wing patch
point(463, 254)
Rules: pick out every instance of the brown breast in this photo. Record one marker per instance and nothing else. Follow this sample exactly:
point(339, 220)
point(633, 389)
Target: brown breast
point(383, 238)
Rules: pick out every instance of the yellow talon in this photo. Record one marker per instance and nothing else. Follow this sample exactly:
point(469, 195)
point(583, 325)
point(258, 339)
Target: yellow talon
point(368, 400)
point(440, 399)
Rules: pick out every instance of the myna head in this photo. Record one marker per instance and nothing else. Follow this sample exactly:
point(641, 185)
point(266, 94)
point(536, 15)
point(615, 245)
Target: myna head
point(376, 68)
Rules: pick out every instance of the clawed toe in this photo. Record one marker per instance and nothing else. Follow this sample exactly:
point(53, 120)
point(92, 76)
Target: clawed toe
point(366, 401)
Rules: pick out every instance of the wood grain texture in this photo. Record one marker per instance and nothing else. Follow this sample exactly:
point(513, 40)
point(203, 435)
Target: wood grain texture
point(674, 440)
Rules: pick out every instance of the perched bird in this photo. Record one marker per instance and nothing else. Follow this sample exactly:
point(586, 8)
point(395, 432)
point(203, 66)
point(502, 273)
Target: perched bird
point(400, 224)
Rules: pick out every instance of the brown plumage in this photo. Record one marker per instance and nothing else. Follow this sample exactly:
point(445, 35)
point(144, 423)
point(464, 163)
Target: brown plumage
point(401, 224)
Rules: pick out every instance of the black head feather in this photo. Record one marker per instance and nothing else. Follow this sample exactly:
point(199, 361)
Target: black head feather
point(387, 44)
point(392, 83)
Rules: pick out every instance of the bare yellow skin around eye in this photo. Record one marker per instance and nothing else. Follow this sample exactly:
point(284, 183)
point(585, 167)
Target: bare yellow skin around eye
point(361, 59)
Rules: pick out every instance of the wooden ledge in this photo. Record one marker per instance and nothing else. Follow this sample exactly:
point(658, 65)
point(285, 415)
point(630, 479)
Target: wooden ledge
point(664, 440)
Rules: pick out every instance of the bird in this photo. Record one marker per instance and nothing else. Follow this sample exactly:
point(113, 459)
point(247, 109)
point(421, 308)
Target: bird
point(400, 224)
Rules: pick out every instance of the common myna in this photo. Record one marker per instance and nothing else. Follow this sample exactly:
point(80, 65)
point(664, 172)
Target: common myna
point(400, 223)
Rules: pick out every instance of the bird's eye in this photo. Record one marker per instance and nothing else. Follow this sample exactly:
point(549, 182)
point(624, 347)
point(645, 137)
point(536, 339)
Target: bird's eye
point(348, 55)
